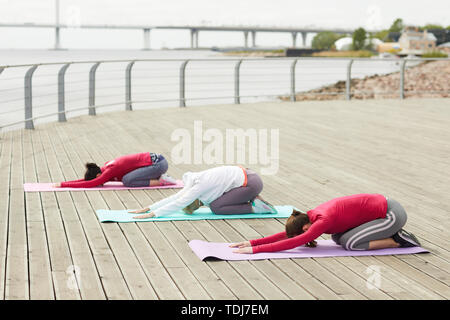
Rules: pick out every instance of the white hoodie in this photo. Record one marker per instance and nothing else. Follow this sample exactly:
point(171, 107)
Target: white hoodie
point(207, 186)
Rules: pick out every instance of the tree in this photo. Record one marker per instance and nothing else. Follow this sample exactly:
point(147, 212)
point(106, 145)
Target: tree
point(397, 25)
point(382, 35)
point(369, 41)
point(430, 26)
point(359, 38)
point(325, 40)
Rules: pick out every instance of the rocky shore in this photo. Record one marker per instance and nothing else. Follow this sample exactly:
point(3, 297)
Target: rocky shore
point(429, 79)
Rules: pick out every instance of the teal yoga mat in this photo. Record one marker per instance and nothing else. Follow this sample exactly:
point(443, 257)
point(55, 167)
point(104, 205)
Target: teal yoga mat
point(201, 214)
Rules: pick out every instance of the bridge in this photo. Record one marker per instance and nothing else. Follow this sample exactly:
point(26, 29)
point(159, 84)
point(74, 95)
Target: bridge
point(194, 31)
point(52, 245)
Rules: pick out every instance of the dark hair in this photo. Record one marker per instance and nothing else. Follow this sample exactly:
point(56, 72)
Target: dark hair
point(92, 170)
point(295, 223)
point(193, 206)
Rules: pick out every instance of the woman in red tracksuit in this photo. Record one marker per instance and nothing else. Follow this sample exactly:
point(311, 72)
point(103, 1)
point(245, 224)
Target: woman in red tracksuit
point(356, 222)
point(134, 170)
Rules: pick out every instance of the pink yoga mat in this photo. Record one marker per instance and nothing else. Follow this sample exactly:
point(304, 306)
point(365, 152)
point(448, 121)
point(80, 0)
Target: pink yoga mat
point(325, 248)
point(113, 185)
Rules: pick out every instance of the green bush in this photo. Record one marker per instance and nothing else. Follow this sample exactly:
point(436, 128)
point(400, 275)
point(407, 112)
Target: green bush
point(435, 54)
point(325, 40)
point(344, 54)
point(430, 27)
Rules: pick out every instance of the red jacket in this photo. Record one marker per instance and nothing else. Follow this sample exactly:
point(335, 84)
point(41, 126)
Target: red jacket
point(334, 216)
point(113, 170)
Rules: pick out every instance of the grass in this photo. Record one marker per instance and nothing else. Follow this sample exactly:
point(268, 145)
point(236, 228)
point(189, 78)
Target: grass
point(258, 50)
point(435, 54)
point(345, 54)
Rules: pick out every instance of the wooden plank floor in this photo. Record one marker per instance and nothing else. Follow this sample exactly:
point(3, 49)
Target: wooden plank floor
point(53, 247)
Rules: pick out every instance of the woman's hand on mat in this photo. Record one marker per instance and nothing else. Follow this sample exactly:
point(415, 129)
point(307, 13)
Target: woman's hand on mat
point(244, 250)
point(57, 185)
point(144, 216)
point(143, 210)
point(243, 244)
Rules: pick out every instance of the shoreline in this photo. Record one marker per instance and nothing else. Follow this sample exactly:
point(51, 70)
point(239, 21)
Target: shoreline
point(428, 79)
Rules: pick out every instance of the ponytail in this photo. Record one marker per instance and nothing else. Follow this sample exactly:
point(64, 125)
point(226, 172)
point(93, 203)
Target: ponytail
point(193, 206)
point(92, 170)
point(311, 244)
point(294, 226)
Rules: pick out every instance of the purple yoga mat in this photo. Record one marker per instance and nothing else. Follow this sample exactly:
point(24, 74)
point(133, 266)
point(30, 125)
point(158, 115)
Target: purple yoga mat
point(325, 248)
point(113, 185)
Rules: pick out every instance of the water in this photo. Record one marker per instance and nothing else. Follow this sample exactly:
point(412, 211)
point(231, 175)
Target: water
point(28, 56)
point(155, 84)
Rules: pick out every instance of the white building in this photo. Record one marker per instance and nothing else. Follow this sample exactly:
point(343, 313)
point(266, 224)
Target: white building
point(345, 44)
point(413, 41)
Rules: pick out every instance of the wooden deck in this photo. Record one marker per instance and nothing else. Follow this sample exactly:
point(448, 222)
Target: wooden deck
point(327, 149)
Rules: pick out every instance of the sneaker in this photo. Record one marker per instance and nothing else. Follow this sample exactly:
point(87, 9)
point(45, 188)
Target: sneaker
point(405, 239)
point(261, 206)
point(165, 179)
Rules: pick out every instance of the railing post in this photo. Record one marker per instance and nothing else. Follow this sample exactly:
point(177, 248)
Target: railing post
point(237, 95)
point(92, 89)
point(128, 105)
point(61, 93)
point(183, 83)
point(293, 79)
point(402, 79)
point(29, 98)
point(348, 83)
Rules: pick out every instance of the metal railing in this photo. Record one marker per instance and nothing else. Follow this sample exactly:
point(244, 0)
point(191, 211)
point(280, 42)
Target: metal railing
point(262, 79)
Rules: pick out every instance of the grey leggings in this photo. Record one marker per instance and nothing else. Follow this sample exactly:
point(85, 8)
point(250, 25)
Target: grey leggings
point(141, 177)
point(359, 237)
point(238, 200)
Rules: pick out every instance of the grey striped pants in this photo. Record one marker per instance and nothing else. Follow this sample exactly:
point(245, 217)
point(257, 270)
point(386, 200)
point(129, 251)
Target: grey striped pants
point(359, 237)
point(238, 200)
point(141, 177)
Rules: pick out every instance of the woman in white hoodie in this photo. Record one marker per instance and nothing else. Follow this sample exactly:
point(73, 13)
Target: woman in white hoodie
point(225, 189)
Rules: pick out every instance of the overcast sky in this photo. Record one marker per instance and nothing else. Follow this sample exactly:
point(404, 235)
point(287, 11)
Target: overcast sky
point(370, 14)
point(330, 13)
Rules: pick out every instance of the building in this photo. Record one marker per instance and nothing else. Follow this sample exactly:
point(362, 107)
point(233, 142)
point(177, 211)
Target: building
point(444, 47)
point(413, 41)
point(346, 43)
point(393, 36)
point(389, 47)
point(442, 35)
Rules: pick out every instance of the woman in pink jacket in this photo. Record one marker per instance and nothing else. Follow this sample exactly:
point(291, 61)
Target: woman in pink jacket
point(356, 222)
point(134, 170)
